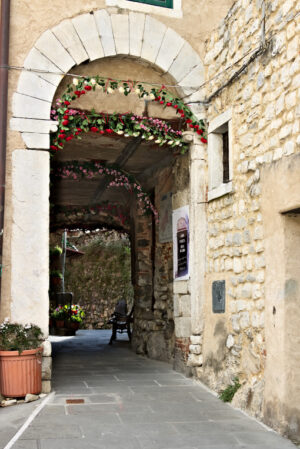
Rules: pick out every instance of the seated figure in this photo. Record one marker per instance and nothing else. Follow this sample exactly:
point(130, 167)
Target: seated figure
point(120, 320)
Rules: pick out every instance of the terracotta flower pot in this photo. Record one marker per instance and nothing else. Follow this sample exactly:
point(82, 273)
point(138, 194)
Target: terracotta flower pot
point(59, 323)
point(20, 373)
point(73, 325)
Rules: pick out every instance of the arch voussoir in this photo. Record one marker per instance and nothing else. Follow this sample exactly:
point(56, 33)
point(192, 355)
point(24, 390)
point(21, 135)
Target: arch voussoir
point(68, 37)
point(87, 31)
point(154, 32)
point(91, 37)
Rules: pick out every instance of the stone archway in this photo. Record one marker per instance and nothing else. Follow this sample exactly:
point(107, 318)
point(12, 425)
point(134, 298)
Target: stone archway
point(90, 37)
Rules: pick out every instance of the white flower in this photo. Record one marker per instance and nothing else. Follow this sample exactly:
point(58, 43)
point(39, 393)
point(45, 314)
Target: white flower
point(110, 90)
point(120, 132)
point(170, 142)
point(121, 90)
point(136, 134)
point(126, 135)
point(150, 137)
point(137, 91)
point(158, 141)
point(93, 81)
point(75, 81)
point(152, 96)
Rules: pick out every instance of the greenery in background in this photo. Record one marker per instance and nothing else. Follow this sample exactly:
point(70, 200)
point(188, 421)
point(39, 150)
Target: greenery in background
point(19, 337)
point(56, 251)
point(56, 274)
point(100, 277)
point(227, 394)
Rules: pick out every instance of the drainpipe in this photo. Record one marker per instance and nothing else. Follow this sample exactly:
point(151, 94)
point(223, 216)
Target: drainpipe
point(4, 51)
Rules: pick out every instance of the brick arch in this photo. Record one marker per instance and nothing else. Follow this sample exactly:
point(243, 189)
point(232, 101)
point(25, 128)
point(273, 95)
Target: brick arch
point(90, 37)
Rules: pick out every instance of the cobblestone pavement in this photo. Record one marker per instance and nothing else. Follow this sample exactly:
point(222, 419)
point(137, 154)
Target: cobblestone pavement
point(131, 402)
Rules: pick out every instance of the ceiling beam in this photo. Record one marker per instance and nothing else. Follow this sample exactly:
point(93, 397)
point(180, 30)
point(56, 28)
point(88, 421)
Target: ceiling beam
point(128, 151)
point(149, 176)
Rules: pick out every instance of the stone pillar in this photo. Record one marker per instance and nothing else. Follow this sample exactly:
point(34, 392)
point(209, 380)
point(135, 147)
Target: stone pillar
point(198, 189)
point(30, 238)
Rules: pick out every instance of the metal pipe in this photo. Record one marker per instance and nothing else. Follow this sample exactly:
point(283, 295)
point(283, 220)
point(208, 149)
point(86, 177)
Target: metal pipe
point(4, 53)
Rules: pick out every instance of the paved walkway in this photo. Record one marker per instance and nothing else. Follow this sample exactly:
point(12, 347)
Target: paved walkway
point(130, 402)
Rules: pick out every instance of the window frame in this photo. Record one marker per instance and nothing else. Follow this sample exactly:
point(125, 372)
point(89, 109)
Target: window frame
point(169, 3)
point(217, 186)
point(175, 12)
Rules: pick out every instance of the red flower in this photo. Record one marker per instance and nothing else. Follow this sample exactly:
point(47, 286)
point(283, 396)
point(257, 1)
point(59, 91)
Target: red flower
point(189, 120)
point(76, 134)
point(79, 130)
point(203, 140)
point(88, 87)
point(94, 129)
point(175, 106)
point(191, 126)
point(66, 116)
point(65, 122)
point(109, 131)
point(82, 92)
point(161, 102)
point(77, 92)
point(67, 103)
point(200, 131)
point(180, 111)
point(61, 136)
point(101, 131)
point(196, 126)
point(182, 115)
point(53, 147)
point(67, 111)
point(157, 98)
point(169, 104)
point(69, 138)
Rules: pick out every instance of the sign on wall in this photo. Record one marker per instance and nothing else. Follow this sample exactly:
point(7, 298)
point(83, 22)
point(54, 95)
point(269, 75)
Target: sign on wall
point(181, 243)
point(165, 218)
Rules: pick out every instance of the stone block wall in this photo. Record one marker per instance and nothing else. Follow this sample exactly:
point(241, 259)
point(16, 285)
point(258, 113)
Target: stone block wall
point(264, 103)
point(153, 332)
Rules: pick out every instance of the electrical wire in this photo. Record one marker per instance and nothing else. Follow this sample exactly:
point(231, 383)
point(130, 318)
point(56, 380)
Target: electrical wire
point(196, 88)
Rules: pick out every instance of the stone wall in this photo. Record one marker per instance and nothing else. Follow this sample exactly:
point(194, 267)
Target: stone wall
point(264, 104)
point(153, 332)
point(101, 276)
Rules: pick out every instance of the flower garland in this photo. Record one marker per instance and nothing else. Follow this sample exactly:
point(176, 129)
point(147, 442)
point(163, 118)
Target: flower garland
point(117, 178)
point(113, 209)
point(70, 127)
point(76, 122)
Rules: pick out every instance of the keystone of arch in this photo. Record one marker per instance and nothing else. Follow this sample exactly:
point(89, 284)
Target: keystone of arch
point(90, 37)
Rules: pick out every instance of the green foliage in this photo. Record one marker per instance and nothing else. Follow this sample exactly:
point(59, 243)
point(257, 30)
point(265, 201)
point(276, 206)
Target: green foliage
point(19, 337)
point(56, 274)
point(227, 394)
point(56, 251)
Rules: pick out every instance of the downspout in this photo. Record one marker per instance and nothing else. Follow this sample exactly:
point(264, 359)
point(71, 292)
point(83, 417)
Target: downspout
point(4, 52)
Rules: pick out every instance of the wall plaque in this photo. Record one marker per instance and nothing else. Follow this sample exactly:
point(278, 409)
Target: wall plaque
point(218, 296)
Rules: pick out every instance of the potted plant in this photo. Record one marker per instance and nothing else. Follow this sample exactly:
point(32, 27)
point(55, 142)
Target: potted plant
point(20, 359)
point(59, 315)
point(75, 315)
point(56, 251)
point(56, 277)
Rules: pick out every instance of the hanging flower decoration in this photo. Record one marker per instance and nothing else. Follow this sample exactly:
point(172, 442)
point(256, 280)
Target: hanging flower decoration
point(73, 122)
point(77, 170)
point(113, 210)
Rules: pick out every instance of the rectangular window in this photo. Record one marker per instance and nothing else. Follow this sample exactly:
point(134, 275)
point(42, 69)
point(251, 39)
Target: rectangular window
point(163, 3)
point(220, 156)
point(225, 157)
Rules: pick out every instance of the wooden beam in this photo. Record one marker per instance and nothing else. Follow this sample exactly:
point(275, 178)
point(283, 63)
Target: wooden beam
point(129, 149)
point(149, 176)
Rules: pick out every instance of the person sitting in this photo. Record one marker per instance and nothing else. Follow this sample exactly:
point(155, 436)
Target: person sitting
point(120, 320)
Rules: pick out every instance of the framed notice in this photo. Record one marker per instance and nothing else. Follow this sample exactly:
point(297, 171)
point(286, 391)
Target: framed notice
point(165, 218)
point(180, 224)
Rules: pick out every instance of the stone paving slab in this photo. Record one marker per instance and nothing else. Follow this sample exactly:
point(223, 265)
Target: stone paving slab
point(131, 402)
